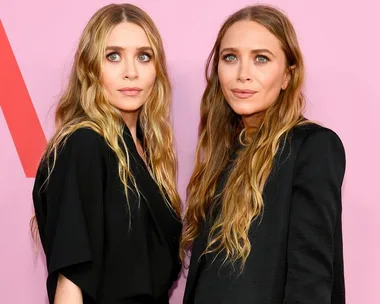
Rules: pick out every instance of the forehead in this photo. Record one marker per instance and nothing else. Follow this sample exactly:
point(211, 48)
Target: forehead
point(250, 35)
point(127, 34)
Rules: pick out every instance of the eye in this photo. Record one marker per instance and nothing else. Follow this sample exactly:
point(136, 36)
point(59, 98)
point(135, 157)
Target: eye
point(114, 57)
point(229, 58)
point(144, 57)
point(261, 59)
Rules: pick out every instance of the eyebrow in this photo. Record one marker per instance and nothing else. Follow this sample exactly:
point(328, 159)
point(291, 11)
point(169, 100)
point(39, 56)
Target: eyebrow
point(121, 49)
point(255, 51)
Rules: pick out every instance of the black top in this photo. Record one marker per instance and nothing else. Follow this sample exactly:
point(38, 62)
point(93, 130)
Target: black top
point(113, 254)
point(296, 255)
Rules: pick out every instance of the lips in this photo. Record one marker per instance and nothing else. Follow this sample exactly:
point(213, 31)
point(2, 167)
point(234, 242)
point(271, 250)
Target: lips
point(243, 94)
point(130, 91)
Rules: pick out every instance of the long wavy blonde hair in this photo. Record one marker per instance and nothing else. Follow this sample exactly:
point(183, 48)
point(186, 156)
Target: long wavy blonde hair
point(241, 199)
point(83, 104)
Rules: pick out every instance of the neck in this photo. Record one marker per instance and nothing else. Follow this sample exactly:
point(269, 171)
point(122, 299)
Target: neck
point(130, 119)
point(252, 122)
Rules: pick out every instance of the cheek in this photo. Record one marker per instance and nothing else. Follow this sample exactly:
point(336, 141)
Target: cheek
point(271, 81)
point(272, 89)
point(226, 75)
point(149, 76)
point(108, 78)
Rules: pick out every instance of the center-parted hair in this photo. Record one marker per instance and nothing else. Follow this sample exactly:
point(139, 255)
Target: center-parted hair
point(240, 201)
point(84, 105)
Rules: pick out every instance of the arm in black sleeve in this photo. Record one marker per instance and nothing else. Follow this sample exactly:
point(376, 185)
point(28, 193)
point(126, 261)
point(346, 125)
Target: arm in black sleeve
point(314, 216)
point(69, 211)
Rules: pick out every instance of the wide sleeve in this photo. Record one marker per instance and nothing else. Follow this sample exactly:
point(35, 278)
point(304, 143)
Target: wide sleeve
point(315, 218)
point(69, 211)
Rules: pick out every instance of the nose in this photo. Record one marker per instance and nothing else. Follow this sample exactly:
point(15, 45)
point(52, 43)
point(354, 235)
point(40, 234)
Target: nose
point(130, 71)
point(245, 71)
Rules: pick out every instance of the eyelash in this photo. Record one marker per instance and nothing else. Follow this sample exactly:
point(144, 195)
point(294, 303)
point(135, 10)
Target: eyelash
point(262, 56)
point(142, 54)
point(258, 56)
point(146, 54)
point(226, 56)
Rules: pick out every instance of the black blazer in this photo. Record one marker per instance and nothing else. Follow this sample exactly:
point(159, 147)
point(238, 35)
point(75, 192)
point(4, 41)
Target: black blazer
point(114, 255)
point(296, 255)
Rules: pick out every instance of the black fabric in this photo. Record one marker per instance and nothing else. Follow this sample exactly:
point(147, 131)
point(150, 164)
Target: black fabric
point(113, 254)
point(296, 255)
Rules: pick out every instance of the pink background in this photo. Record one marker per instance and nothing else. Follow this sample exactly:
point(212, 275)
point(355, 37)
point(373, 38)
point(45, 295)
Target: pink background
point(339, 42)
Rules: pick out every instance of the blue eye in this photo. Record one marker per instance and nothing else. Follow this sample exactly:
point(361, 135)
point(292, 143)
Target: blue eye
point(144, 57)
point(261, 59)
point(113, 57)
point(229, 58)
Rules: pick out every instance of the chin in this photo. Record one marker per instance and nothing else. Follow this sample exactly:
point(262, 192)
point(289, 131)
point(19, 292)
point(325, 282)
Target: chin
point(130, 107)
point(244, 111)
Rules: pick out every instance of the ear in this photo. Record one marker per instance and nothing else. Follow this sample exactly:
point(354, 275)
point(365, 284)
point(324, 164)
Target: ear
point(287, 77)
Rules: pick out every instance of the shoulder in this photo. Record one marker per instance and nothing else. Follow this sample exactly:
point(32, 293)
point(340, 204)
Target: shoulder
point(302, 132)
point(315, 137)
point(79, 149)
point(84, 138)
point(83, 143)
point(317, 147)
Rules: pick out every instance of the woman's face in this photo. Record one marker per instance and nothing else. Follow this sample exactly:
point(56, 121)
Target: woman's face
point(252, 69)
point(128, 70)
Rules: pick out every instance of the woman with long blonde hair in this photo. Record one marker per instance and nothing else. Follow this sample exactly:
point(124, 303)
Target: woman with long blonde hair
point(264, 201)
point(107, 208)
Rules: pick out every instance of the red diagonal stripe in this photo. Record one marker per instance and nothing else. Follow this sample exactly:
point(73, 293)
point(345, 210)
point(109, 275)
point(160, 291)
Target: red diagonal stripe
point(18, 110)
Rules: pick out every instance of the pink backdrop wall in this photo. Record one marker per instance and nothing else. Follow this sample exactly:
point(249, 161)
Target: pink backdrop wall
point(341, 47)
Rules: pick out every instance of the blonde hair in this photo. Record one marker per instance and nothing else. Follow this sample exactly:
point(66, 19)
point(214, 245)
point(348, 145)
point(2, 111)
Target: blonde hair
point(241, 199)
point(83, 104)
